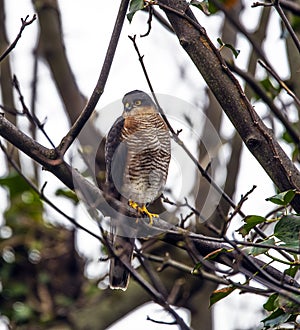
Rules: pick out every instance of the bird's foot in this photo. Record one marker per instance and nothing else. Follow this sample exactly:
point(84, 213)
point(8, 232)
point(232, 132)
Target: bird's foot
point(143, 210)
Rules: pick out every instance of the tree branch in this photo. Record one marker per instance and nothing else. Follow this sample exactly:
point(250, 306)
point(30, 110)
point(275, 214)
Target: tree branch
point(25, 23)
point(291, 6)
point(257, 137)
point(99, 88)
point(262, 94)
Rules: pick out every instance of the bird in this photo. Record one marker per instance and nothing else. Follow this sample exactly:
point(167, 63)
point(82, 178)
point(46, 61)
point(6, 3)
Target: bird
point(137, 157)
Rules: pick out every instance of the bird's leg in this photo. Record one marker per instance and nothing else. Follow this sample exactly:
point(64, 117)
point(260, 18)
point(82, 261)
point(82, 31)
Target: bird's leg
point(143, 210)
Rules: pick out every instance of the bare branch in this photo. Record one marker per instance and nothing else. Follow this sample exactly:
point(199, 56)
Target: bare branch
point(292, 6)
point(25, 23)
point(279, 80)
point(99, 88)
point(277, 5)
point(259, 91)
point(149, 22)
point(32, 117)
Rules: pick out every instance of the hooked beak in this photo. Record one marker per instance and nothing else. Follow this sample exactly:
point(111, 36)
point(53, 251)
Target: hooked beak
point(128, 106)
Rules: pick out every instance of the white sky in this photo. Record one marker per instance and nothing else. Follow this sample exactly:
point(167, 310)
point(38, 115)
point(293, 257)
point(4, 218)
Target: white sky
point(87, 28)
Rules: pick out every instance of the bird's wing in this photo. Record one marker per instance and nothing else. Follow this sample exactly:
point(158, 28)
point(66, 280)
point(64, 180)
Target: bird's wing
point(116, 162)
point(116, 158)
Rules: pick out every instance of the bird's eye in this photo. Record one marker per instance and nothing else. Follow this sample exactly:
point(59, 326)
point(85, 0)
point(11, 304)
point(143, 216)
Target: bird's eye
point(138, 102)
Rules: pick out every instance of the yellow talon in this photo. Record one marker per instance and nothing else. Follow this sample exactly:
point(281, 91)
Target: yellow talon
point(143, 210)
point(133, 204)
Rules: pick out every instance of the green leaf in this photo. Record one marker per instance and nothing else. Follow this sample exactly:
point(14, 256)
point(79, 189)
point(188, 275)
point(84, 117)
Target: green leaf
point(23, 200)
point(287, 137)
point(295, 154)
point(251, 221)
point(218, 295)
point(295, 21)
point(276, 318)
point(287, 229)
point(21, 312)
point(196, 268)
point(270, 305)
point(255, 251)
point(292, 271)
point(269, 87)
point(69, 194)
point(135, 5)
point(15, 184)
point(63, 301)
point(235, 51)
point(284, 198)
point(202, 5)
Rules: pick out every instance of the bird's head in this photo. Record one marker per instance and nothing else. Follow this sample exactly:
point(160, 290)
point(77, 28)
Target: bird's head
point(136, 100)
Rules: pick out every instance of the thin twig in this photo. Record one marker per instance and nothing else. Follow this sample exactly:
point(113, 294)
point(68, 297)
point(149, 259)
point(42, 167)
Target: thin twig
point(175, 136)
point(14, 43)
point(241, 28)
point(12, 111)
point(274, 109)
point(272, 280)
point(149, 22)
point(279, 80)
point(261, 4)
point(99, 88)
point(287, 24)
point(240, 203)
point(162, 20)
point(32, 117)
point(167, 261)
point(277, 4)
point(268, 246)
point(160, 322)
point(155, 280)
point(292, 6)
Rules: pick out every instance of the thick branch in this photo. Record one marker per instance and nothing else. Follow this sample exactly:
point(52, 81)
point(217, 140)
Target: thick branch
point(44, 156)
point(257, 137)
point(291, 6)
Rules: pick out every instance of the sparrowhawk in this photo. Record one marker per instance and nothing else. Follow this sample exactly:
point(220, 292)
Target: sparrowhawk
point(137, 154)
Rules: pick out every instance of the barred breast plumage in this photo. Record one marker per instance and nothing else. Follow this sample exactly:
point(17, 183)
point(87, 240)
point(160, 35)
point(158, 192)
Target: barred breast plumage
point(148, 157)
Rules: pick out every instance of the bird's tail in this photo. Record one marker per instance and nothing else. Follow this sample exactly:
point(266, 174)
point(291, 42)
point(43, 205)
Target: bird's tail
point(118, 273)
